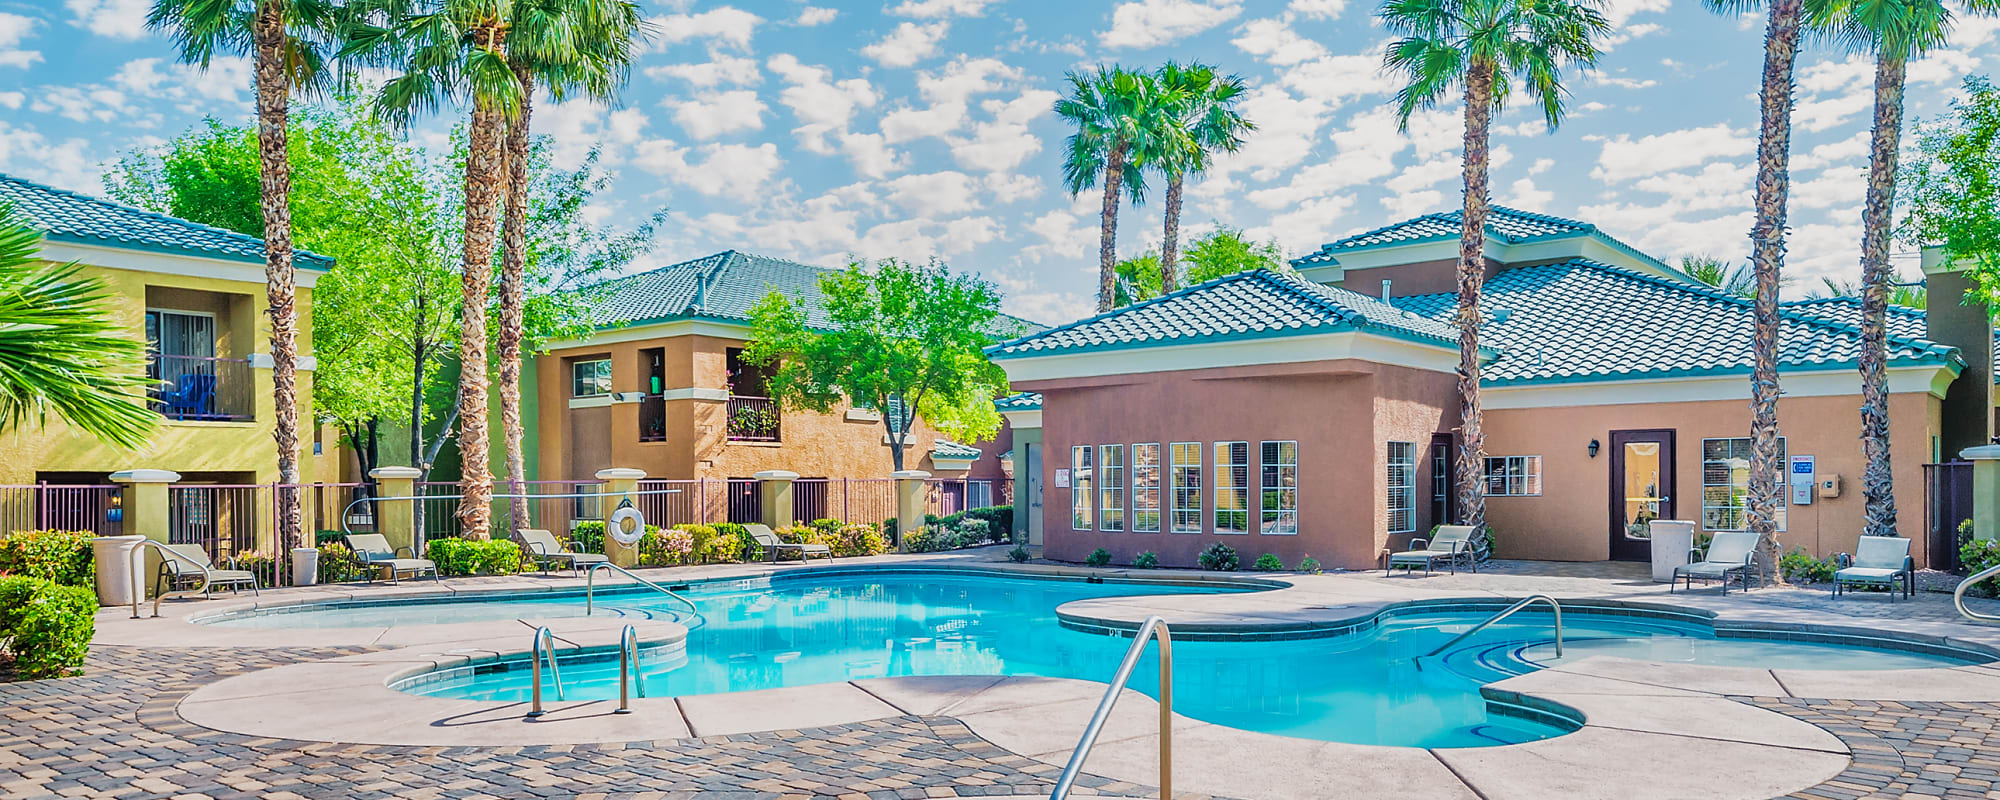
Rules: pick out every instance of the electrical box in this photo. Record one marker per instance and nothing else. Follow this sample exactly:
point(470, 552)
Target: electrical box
point(1829, 486)
point(1803, 488)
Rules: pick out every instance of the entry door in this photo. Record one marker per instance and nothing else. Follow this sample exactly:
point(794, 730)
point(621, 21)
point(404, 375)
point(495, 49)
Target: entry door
point(1034, 493)
point(1444, 494)
point(1642, 489)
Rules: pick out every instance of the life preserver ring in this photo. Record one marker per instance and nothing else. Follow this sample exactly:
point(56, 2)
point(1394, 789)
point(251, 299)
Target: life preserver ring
point(626, 524)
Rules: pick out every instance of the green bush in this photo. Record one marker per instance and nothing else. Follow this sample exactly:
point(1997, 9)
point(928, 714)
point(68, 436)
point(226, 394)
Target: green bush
point(747, 548)
point(46, 626)
point(15, 590)
point(701, 538)
point(324, 538)
point(1309, 566)
point(262, 565)
point(929, 539)
point(857, 540)
point(1019, 554)
point(974, 532)
point(456, 557)
point(63, 557)
point(1218, 556)
point(587, 536)
point(828, 527)
point(1268, 562)
point(1098, 558)
point(338, 564)
point(1146, 560)
point(661, 548)
point(1977, 555)
point(1799, 566)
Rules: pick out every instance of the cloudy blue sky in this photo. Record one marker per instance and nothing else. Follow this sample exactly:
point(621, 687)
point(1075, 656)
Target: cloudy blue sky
point(923, 127)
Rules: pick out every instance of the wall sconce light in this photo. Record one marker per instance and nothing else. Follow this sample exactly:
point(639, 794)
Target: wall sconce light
point(1593, 448)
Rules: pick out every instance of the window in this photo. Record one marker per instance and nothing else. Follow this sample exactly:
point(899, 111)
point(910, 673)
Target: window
point(1725, 484)
point(1513, 476)
point(1146, 488)
point(1186, 479)
point(1079, 487)
point(1111, 487)
point(1232, 487)
point(1402, 487)
point(591, 378)
point(1279, 486)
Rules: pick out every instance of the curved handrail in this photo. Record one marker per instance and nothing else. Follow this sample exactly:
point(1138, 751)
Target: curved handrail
point(139, 576)
point(590, 589)
point(1958, 594)
point(347, 511)
point(628, 669)
point(1524, 602)
point(543, 635)
point(1153, 626)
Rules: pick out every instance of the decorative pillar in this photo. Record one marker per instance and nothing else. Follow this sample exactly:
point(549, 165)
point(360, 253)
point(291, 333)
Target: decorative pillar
point(619, 485)
point(909, 503)
point(774, 497)
point(143, 507)
point(1985, 489)
point(396, 519)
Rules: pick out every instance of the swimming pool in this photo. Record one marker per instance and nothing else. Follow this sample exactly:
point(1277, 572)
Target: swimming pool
point(1363, 687)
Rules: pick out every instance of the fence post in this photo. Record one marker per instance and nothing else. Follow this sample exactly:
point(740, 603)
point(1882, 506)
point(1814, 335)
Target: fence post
point(774, 490)
point(396, 520)
point(619, 484)
point(1985, 490)
point(909, 503)
point(146, 510)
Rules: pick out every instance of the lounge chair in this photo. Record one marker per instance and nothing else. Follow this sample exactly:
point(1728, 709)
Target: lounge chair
point(1877, 561)
point(1729, 553)
point(374, 551)
point(773, 545)
point(545, 549)
point(190, 561)
point(1449, 543)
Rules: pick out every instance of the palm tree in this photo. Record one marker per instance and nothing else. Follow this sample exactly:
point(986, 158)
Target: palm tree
point(1900, 293)
point(1720, 275)
point(569, 46)
point(59, 350)
point(287, 40)
point(1482, 46)
point(1201, 120)
point(1114, 111)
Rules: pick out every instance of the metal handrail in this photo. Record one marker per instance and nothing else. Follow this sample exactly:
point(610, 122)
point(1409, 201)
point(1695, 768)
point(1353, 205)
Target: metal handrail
point(628, 669)
point(1153, 626)
point(590, 589)
point(1958, 594)
point(543, 635)
point(139, 576)
point(1524, 602)
point(346, 511)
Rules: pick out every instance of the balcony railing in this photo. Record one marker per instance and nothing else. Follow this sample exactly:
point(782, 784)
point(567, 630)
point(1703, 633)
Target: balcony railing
point(753, 419)
point(197, 388)
point(653, 418)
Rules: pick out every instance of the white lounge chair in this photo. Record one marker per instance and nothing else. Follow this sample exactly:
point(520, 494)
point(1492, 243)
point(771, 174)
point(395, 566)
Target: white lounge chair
point(190, 561)
point(1449, 543)
point(1729, 553)
point(545, 549)
point(1877, 561)
point(769, 540)
point(374, 551)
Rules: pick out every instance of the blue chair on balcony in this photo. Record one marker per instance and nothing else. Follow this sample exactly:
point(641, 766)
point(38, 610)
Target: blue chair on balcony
point(195, 397)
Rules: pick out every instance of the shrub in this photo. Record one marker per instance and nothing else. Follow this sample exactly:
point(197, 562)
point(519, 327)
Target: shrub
point(857, 540)
point(746, 548)
point(456, 557)
point(1019, 554)
point(587, 536)
point(62, 557)
point(1146, 560)
point(324, 538)
point(1218, 556)
point(1098, 557)
point(973, 532)
point(1268, 562)
point(1976, 555)
point(664, 547)
point(1309, 566)
point(1799, 566)
point(929, 539)
point(338, 564)
point(262, 565)
point(47, 626)
point(828, 527)
point(701, 539)
point(15, 590)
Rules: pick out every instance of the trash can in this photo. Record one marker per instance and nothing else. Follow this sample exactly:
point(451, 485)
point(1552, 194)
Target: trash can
point(305, 566)
point(117, 583)
point(1672, 538)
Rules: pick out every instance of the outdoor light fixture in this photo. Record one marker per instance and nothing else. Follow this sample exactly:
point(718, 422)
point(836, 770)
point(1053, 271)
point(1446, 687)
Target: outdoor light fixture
point(1593, 448)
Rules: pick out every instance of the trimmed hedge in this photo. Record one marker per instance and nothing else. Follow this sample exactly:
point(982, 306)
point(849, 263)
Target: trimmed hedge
point(456, 557)
point(46, 626)
point(62, 557)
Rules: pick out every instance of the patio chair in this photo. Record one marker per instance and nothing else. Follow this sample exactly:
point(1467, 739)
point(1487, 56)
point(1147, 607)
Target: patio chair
point(545, 549)
point(191, 561)
point(1729, 554)
point(1877, 561)
point(374, 551)
point(1449, 543)
point(773, 545)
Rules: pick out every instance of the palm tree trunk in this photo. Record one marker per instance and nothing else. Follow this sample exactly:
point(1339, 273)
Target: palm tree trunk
point(1767, 257)
point(1107, 241)
point(483, 185)
point(1471, 279)
point(513, 274)
point(1170, 245)
point(1878, 485)
point(280, 276)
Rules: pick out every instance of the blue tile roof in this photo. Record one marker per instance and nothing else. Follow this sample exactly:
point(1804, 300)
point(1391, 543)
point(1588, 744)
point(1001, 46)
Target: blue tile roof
point(1246, 305)
point(1021, 401)
point(70, 217)
point(1505, 224)
point(948, 449)
point(1901, 320)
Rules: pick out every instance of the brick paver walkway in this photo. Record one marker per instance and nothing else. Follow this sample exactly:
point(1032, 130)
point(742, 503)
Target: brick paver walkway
point(1904, 749)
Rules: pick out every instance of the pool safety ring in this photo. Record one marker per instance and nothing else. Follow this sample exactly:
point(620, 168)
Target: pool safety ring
point(626, 524)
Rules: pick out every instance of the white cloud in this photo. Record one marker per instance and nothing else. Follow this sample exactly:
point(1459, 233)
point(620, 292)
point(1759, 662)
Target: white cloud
point(118, 19)
point(15, 29)
point(933, 9)
point(871, 155)
point(1836, 76)
point(576, 126)
point(1319, 9)
point(1064, 235)
point(815, 98)
point(1843, 186)
point(1004, 142)
point(1307, 225)
point(908, 44)
point(1541, 165)
point(713, 114)
point(934, 194)
point(1818, 115)
point(731, 169)
point(1152, 23)
point(719, 69)
point(1274, 41)
point(1524, 196)
point(949, 92)
point(811, 16)
point(1623, 158)
point(1363, 152)
point(69, 164)
point(1846, 150)
point(12, 100)
point(725, 25)
point(1335, 80)
point(1403, 206)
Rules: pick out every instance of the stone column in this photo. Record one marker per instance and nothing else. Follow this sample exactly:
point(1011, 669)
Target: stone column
point(774, 497)
point(909, 503)
point(619, 484)
point(143, 511)
point(396, 520)
point(1985, 489)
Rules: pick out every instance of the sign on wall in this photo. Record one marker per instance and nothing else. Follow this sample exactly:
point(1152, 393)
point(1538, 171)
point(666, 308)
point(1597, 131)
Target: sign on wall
point(1062, 479)
point(1803, 469)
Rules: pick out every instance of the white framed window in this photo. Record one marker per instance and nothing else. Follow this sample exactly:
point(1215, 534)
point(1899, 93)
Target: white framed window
point(1111, 487)
point(1402, 487)
point(1186, 482)
point(1080, 487)
point(1232, 487)
point(1278, 486)
point(1146, 488)
point(590, 378)
point(1725, 484)
point(1513, 476)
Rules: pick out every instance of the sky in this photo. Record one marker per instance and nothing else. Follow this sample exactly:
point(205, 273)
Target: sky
point(821, 131)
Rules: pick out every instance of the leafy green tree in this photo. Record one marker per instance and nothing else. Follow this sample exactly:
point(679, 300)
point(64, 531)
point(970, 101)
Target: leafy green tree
point(60, 352)
point(904, 339)
point(1483, 47)
point(1116, 113)
point(1223, 251)
point(1955, 187)
point(1200, 119)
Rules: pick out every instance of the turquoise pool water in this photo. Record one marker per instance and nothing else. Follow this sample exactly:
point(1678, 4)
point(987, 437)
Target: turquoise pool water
point(1364, 688)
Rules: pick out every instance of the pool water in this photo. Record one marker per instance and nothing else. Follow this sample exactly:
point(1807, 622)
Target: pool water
point(1366, 688)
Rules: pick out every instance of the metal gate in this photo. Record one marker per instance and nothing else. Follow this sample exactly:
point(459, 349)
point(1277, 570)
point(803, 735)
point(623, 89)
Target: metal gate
point(1947, 504)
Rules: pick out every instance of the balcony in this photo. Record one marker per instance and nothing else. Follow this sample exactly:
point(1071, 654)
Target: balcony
point(653, 418)
point(201, 389)
point(753, 419)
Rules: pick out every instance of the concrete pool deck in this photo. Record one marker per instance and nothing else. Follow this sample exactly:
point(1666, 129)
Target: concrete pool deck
point(1756, 733)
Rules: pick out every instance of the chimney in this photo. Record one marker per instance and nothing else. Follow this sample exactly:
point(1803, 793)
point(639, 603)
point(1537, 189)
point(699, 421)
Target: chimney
point(1968, 403)
point(1385, 290)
